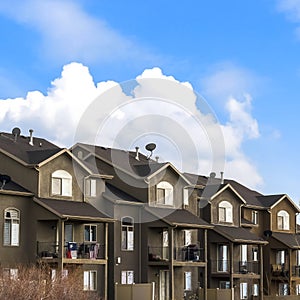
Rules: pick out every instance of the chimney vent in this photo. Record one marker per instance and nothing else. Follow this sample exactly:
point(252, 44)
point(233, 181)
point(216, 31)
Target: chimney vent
point(31, 137)
point(137, 153)
point(222, 177)
point(156, 158)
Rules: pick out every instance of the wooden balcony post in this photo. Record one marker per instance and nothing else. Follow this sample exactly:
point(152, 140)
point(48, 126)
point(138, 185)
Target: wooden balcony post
point(261, 271)
point(171, 260)
point(206, 264)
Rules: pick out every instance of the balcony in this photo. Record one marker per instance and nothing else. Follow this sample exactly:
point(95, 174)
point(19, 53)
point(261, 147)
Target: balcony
point(158, 254)
point(73, 250)
point(190, 253)
point(279, 270)
point(296, 271)
point(247, 267)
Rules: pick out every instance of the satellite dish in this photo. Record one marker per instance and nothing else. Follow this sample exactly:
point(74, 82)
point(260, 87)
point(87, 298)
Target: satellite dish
point(4, 179)
point(16, 132)
point(268, 233)
point(150, 147)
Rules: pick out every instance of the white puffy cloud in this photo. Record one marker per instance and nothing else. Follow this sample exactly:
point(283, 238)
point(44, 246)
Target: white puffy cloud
point(152, 108)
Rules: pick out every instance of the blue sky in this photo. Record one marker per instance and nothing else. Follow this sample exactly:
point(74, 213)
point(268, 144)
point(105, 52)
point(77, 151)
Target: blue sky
point(241, 56)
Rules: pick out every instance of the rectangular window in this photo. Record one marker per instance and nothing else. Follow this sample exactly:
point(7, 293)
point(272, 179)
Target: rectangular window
point(187, 237)
point(244, 290)
point(255, 217)
point(255, 291)
point(127, 277)
point(255, 254)
point(280, 257)
point(187, 281)
point(185, 197)
point(89, 280)
point(56, 186)
point(161, 196)
point(165, 244)
point(222, 214)
point(224, 284)
point(283, 289)
point(11, 232)
point(244, 255)
point(90, 233)
point(127, 234)
point(298, 257)
point(91, 187)
point(297, 289)
point(223, 258)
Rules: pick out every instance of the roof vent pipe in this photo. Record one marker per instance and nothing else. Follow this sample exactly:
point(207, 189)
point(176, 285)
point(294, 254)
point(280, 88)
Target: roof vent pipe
point(31, 137)
point(222, 177)
point(137, 153)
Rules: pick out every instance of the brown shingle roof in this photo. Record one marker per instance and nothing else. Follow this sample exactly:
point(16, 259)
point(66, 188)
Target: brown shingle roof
point(21, 149)
point(73, 209)
point(179, 217)
point(288, 239)
point(238, 234)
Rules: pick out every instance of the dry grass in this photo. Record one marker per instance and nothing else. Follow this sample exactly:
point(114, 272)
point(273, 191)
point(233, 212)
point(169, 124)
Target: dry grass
point(35, 283)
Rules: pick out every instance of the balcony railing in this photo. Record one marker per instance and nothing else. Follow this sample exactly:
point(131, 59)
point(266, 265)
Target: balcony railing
point(158, 253)
point(189, 253)
point(296, 271)
point(279, 270)
point(222, 266)
point(247, 267)
point(72, 250)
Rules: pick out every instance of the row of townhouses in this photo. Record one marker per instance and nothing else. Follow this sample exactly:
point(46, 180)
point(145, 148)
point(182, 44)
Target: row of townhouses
point(122, 218)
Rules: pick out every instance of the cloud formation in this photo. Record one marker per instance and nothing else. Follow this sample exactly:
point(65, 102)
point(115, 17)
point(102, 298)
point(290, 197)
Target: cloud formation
point(291, 8)
point(69, 33)
point(184, 130)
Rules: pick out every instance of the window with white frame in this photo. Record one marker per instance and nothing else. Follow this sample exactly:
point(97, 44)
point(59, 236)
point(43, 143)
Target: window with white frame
point(255, 254)
point(224, 285)
point(127, 237)
point(283, 220)
point(223, 263)
point(185, 196)
point(255, 217)
point(10, 273)
point(298, 257)
point(187, 281)
point(297, 289)
point(225, 212)
point(61, 183)
point(164, 193)
point(244, 254)
point(90, 233)
point(255, 290)
point(187, 237)
point(91, 187)
point(127, 277)
point(283, 289)
point(243, 290)
point(11, 232)
point(280, 257)
point(89, 280)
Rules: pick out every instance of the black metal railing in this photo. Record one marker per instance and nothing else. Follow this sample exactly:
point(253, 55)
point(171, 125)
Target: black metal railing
point(189, 253)
point(74, 250)
point(158, 253)
point(220, 266)
point(245, 267)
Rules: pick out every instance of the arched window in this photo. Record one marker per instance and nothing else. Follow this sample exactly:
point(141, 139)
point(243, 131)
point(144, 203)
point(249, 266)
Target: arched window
point(225, 212)
point(61, 183)
point(164, 193)
point(283, 220)
point(11, 232)
point(127, 237)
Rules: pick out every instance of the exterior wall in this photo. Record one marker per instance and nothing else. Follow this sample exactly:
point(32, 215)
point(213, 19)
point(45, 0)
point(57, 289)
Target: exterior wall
point(229, 196)
point(25, 252)
point(283, 205)
point(26, 177)
point(62, 162)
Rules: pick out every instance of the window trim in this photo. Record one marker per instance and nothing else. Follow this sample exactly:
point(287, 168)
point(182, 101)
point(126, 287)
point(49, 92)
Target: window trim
point(90, 233)
point(65, 183)
point(91, 187)
point(168, 194)
point(254, 217)
point(283, 220)
point(244, 290)
point(188, 281)
point(127, 274)
point(14, 241)
point(128, 228)
point(227, 207)
point(92, 284)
